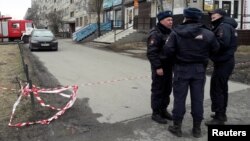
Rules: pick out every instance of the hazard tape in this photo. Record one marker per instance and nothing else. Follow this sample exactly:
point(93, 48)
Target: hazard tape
point(115, 80)
point(130, 78)
point(25, 91)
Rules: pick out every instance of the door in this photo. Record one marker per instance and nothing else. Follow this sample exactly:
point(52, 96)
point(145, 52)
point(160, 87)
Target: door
point(129, 17)
point(118, 18)
point(226, 5)
point(14, 29)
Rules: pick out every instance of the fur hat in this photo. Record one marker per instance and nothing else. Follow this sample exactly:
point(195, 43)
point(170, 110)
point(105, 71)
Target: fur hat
point(192, 13)
point(218, 11)
point(163, 15)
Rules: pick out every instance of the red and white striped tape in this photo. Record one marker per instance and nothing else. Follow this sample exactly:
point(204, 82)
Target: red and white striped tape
point(115, 80)
point(25, 91)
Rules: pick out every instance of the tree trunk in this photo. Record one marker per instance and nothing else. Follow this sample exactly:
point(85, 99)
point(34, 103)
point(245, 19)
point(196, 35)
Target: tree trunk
point(98, 24)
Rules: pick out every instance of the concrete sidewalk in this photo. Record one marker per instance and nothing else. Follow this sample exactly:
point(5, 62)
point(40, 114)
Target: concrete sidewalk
point(144, 129)
point(124, 107)
point(147, 130)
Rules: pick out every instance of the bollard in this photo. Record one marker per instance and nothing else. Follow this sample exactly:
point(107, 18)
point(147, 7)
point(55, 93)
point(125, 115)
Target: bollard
point(32, 96)
point(30, 87)
point(21, 53)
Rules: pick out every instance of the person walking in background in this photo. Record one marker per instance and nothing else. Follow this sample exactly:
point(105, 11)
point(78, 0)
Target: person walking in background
point(224, 61)
point(191, 43)
point(161, 67)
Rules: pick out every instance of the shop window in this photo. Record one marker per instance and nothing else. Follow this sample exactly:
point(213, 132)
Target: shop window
point(236, 5)
point(226, 6)
point(118, 18)
point(216, 4)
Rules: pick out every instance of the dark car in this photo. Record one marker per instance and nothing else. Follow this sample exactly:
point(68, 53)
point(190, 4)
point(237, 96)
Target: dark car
point(42, 39)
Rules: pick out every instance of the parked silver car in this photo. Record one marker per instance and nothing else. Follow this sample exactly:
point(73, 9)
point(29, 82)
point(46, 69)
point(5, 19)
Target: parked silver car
point(42, 39)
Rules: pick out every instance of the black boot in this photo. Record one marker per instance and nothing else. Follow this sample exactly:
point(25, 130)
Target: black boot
point(218, 119)
point(165, 114)
point(176, 128)
point(214, 122)
point(157, 117)
point(222, 117)
point(196, 129)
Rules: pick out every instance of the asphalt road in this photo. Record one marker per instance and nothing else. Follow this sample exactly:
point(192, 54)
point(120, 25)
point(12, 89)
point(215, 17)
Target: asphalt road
point(117, 85)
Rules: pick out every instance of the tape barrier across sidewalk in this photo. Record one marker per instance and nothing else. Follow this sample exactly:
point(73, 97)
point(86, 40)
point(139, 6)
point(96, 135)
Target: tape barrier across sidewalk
point(25, 91)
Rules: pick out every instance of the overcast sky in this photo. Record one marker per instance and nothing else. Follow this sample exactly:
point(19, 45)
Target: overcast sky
point(14, 8)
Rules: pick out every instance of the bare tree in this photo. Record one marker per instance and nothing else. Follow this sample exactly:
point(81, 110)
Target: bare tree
point(33, 14)
point(55, 21)
point(96, 6)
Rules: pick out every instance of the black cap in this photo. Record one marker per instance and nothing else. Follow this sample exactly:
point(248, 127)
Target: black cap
point(163, 15)
point(218, 11)
point(192, 13)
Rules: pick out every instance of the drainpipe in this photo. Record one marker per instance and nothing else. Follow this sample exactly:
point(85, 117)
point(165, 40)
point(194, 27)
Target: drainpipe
point(241, 17)
point(159, 5)
point(173, 7)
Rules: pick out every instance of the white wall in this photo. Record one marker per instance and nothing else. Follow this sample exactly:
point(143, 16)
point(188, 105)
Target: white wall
point(247, 13)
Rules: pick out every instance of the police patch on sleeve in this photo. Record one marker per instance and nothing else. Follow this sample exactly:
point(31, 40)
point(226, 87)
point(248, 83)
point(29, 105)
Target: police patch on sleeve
point(151, 41)
point(220, 33)
point(167, 40)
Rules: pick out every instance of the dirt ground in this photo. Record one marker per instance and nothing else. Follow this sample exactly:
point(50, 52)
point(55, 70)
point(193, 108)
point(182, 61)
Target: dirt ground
point(77, 120)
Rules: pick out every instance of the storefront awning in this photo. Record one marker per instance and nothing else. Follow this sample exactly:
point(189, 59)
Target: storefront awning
point(117, 2)
point(109, 3)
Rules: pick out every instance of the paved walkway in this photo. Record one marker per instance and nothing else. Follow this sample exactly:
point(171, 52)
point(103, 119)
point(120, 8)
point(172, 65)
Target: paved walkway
point(142, 128)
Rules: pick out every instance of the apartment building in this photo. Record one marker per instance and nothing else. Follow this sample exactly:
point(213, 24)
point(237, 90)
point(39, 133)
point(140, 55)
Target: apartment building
point(75, 13)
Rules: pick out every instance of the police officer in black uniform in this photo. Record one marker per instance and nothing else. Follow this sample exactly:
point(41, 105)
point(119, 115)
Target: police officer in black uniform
point(191, 43)
point(161, 68)
point(224, 29)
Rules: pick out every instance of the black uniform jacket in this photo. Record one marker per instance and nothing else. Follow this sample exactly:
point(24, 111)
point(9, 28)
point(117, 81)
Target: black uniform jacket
point(224, 29)
point(156, 40)
point(191, 42)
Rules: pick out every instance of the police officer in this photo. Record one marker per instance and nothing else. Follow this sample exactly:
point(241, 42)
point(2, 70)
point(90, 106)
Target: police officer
point(191, 43)
point(224, 29)
point(161, 86)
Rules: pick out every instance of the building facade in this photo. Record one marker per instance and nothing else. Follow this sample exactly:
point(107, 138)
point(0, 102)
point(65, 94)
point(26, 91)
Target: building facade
point(75, 13)
point(139, 14)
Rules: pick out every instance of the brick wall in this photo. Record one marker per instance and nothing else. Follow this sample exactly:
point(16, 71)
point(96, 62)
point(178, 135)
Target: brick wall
point(243, 37)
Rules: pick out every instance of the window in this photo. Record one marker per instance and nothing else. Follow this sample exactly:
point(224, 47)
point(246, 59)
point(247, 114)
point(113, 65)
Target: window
point(80, 21)
point(216, 4)
point(71, 1)
point(54, 1)
point(85, 20)
point(29, 25)
point(72, 14)
point(15, 25)
point(77, 21)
